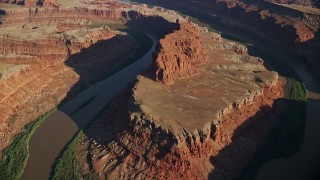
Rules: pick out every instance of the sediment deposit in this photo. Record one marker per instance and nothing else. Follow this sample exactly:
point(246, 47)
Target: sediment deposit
point(185, 127)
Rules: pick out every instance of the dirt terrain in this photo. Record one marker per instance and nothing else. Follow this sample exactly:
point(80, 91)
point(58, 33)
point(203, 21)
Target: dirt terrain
point(201, 93)
point(289, 26)
point(158, 127)
point(49, 53)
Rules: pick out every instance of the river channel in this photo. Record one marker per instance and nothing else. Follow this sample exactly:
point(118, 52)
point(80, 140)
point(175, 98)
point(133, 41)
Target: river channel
point(59, 129)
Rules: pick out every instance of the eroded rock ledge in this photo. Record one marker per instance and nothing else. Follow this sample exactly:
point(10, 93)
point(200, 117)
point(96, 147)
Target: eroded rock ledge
point(48, 53)
point(178, 53)
point(183, 128)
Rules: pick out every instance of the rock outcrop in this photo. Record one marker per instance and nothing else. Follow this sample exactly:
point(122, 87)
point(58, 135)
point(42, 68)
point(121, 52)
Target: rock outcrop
point(34, 62)
point(31, 3)
point(54, 46)
point(289, 26)
point(154, 129)
point(49, 53)
point(178, 54)
point(54, 15)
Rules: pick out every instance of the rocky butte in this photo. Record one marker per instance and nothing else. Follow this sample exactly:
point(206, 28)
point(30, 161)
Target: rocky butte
point(202, 94)
point(178, 55)
point(185, 109)
point(292, 25)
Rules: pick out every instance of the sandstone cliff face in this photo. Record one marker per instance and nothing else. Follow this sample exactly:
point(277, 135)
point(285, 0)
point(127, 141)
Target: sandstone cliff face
point(281, 25)
point(45, 80)
point(55, 15)
point(178, 54)
point(184, 128)
point(145, 150)
point(53, 47)
point(30, 3)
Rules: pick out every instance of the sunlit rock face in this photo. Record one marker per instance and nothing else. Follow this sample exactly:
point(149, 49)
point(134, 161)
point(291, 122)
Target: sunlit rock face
point(178, 54)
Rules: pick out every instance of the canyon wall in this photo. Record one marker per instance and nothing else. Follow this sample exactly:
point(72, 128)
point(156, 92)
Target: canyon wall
point(45, 81)
point(178, 54)
point(51, 47)
point(55, 15)
point(48, 53)
point(293, 28)
point(184, 127)
point(145, 150)
point(30, 3)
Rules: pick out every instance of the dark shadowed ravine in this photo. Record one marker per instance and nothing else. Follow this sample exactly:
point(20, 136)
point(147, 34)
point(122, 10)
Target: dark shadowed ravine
point(59, 129)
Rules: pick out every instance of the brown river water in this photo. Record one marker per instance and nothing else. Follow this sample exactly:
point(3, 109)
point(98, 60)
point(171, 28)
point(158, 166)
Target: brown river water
point(59, 129)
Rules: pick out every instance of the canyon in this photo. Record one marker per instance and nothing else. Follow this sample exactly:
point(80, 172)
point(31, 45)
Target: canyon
point(293, 27)
point(203, 108)
point(187, 118)
point(43, 53)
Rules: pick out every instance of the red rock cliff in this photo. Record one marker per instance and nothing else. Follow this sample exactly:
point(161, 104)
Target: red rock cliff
point(178, 54)
point(30, 3)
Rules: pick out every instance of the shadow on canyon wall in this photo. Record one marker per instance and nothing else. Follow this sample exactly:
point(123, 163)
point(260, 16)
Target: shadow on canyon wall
point(95, 63)
point(214, 15)
point(88, 72)
point(102, 59)
point(273, 132)
point(91, 63)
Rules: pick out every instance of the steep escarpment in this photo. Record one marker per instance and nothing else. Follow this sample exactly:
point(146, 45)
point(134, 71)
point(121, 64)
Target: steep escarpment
point(55, 15)
point(156, 128)
point(30, 3)
point(50, 45)
point(178, 54)
point(34, 76)
point(48, 54)
point(145, 150)
point(293, 27)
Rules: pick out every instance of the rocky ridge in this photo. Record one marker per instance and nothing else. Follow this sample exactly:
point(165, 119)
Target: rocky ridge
point(177, 127)
point(178, 54)
point(38, 57)
point(48, 53)
point(30, 3)
point(293, 27)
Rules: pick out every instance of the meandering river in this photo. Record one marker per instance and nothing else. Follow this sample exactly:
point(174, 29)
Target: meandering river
point(59, 129)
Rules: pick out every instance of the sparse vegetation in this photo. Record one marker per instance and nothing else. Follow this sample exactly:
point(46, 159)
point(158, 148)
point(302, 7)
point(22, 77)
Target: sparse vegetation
point(68, 166)
point(15, 156)
point(288, 137)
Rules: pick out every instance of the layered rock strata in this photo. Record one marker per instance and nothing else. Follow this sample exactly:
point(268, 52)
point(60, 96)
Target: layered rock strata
point(45, 52)
point(184, 128)
point(178, 54)
point(55, 15)
point(48, 54)
point(45, 42)
point(30, 3)
point(34, 70)
point(289, 26)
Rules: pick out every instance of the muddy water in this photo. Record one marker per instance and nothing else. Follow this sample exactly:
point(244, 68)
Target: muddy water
point(51, 137)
